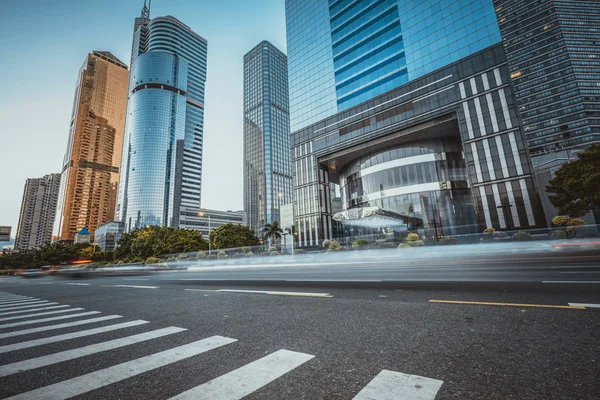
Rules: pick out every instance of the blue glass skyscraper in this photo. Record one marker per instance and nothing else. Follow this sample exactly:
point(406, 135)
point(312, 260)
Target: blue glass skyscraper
point(161, 166)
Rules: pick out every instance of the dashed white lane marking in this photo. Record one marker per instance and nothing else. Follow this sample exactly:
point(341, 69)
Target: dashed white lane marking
point(13, 317)
point(20, 307)
point(390, 385)
point(38, 321)
point(247, 379)
point(68, 355)
point(586, 305)
point(68, 336)
point(32, 310)
point(77, 284)
point(57, 326)
point(571, 282)
point(95, 380)
point(302, 294)
point(132, 286)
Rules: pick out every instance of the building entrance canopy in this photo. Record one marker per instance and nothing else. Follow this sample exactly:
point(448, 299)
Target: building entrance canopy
point(376, 217)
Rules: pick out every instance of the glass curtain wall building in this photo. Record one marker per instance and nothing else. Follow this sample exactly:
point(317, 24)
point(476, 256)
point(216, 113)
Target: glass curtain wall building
point(162, 151)
point(553, 51)
point(405, 106)
point(267, 161)
point(90, 170)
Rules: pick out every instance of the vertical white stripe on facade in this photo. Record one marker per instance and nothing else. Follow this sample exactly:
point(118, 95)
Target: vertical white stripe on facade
point(488, 159)
point(486, 208)
point(480, 117)
point(502, 157)
point(476, 161)
point(486, 83)
point(527, 201)
point(505, 110)
point(310, 231)
point(463, 93)
point(498, 201)
point(473, 86)
point(312, 169)
point(498, 77)
point(468, 119)
point(513, 209)
point(317, 230)
point(492, 111)
point(515, 152)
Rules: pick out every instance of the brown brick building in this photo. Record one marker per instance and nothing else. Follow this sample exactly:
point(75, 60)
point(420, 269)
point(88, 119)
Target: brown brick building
point(91, 165)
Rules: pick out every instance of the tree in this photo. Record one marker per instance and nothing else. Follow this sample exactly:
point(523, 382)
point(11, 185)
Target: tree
point(155, 241)
point(576, 184)
point(229, 236)
point(273, 231)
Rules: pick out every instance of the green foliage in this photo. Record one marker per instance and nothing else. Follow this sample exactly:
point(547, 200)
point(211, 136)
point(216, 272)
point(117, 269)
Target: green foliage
point(360, 243)
point(272, 231)
point(561, 220)
point(272, 249)
point(246, 250)
point(559, 235)
point(221, 255)
point(412, 237)
point(575, 185)
point(153, 260)
point(489, 230)
point(200, 255)
point(274, 253)
point(326, 244)
point(334, 245)
point(521, 236)
point(230, 236)
point(155, 241)
point(53, 254)
point(182, 257)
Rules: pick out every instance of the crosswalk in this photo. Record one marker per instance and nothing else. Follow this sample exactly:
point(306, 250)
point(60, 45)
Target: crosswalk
point(233, 385)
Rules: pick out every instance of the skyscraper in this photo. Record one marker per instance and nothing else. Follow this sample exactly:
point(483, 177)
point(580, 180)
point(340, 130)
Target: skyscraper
point(162, 151)
point(403, 113)
point(553, 51)
point(38, 210)
point(90, 171)
point(267, 161)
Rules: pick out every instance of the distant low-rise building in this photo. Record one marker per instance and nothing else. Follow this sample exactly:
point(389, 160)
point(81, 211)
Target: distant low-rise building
point(83, 236)
point(108, 235)
point(205, 221)
point(5, 233)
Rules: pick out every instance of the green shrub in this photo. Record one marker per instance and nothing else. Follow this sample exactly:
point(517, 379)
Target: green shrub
point(272, 248)
point(559, 235)
point(489, 230)
point(211, 257)
point(171, 259)
point(326, 244)
point(360, 243)
point(221, 255)
point(412, 243)
point(246, 250)
point(201, 255)
point(561, 220)
point(153, 260)
point(521, 236)
point(274, 253)
point(249, 254)
point(412, 237)
point(334, 245)
point(404, 245)
point(386, 245)
point(182, 257)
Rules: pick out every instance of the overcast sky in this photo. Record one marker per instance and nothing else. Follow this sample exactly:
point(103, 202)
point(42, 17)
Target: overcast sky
point(44, 43)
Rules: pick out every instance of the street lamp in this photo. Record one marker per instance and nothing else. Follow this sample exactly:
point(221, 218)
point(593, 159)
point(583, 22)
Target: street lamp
point(202, 214)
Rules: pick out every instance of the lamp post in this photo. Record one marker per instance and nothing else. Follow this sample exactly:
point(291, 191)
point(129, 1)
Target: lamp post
point(202, 214)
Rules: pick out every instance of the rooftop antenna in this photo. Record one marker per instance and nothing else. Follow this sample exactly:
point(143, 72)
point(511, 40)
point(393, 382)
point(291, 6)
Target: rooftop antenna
point(146, 10)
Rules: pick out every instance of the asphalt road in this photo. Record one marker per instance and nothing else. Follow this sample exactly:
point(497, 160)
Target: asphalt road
point(263, 341)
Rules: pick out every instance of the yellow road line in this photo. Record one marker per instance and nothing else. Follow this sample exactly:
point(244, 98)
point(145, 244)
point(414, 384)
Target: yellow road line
point(485, 303)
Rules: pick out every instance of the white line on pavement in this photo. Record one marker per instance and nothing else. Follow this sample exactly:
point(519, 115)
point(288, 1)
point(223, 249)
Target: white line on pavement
point(390, 385)
point(37, 321)
point(68, 355)
point(78, 284)
point(32, 310)
point(68, 336)
point(12, 317)
point(133, 286)
point(586, 305)
point(57, 326)
point(20, 307)
point(10, 299)
point(95, 380)
point(247, 379)
point(579, 272)
point(570, 281)
point(22, 303)
point(307, 294)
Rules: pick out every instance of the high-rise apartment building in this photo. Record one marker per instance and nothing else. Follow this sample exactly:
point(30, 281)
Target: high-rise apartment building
point(553, 51)
point(90, 170)
point(267, 162)
point(403, 113)
point(38, 210)
point(161, 168)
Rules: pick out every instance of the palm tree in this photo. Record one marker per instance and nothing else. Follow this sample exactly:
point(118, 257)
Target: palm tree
point(273, 231)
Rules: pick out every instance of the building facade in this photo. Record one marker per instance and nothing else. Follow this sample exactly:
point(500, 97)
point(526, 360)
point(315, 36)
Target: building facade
point(38, 211)
point(90, 170)
point(553, 52)
point(403, 114)
point(5, 233)
point(205, 221)
point(267, 161)
point(162, 149)
point(108, 235)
